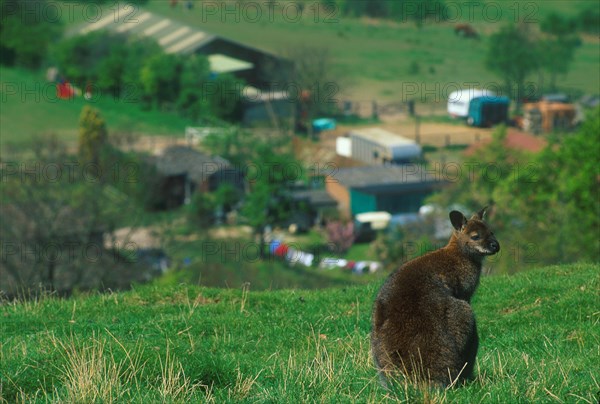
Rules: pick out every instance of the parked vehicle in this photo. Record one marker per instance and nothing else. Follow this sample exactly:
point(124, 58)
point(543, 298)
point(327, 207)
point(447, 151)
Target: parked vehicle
point(459, 101)
point(376, 146)
point(366, 225)
point(488, 111)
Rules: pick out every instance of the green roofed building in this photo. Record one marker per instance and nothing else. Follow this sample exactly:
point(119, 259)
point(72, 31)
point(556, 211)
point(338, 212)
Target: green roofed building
point(392, 188)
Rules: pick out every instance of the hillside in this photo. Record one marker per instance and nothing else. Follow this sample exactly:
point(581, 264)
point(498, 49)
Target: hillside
point(30, 108)
point(538, 329)
point(388, 60)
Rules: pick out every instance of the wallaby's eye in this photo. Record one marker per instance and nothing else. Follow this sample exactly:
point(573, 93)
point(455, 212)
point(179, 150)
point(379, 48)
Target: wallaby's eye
point(475, 237)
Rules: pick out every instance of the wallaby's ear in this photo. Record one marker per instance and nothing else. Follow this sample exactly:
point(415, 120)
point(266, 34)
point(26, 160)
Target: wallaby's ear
point(457, 219)
point(481, 213)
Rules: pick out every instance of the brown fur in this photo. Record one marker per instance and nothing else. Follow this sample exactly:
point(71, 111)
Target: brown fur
point(466, 30)
point(423, 324)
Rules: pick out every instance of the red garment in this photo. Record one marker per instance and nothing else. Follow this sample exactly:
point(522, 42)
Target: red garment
point(64, 91)
point(281, 250)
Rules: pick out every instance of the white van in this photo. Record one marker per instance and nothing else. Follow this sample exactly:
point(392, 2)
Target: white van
point(458, 101)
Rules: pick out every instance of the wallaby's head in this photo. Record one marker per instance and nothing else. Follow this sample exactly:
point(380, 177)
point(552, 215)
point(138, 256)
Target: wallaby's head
point(473, 235)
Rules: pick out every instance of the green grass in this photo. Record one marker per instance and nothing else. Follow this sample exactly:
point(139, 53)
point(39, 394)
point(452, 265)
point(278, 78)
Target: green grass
point(29, 108)
point(372, 59)
point(539, 334)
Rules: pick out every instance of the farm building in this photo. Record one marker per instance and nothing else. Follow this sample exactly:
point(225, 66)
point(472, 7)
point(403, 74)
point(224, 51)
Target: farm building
point(273, 107)
point(393, 189)
point(183, 170)
point(251, 64)
point(375, 146)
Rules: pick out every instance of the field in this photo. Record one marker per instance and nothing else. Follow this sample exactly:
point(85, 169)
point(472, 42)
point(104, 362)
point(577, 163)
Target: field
point(538, 330)
point(392, 61)
point(29, 109)
point(370, 59)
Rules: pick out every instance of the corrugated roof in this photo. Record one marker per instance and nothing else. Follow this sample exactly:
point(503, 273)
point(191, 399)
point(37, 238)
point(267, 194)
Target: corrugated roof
point(384, 176)
point(382, 137)
point(316, 197)
point(178, 160)
point(173, 36)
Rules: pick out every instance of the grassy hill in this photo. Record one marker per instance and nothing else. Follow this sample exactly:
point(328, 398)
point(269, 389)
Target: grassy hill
point(539, 343)
point(29, 108)
point(389, 60)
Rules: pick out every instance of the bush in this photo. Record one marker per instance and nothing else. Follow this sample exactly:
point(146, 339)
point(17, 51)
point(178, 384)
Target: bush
point(110, 62)
point(25, 33)
point(201, 210)
point(588, 20)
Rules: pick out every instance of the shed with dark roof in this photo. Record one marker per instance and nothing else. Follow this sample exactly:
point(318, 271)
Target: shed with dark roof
point(184, 170)
point(394, 189)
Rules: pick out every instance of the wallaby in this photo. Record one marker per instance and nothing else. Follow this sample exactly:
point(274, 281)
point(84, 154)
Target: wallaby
point(423, 324)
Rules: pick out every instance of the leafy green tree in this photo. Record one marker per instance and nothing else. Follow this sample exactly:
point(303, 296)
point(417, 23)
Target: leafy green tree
point(557, 55)
point(201, 210)
point(558, 24)
point(268, 171)
point(160, 78)
point(558, 50)
point(138, 53)
point(588, 19)
point(558, 207)
point(26, 31)
point(513, 55)
point(195, 74)
point(268, 203)
point(92, 136)
point(111, 62)
point(546, 205)
point(481, 173)
point(224, 95)
point(354, 8)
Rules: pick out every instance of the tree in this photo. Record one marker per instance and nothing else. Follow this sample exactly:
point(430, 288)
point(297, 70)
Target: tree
point(312, 76)
point(268, 202)
point(26, 31)
point(557, 55)
point(160, 78)
point(195, 74)
point(558, 211)
point(513, 54)
point(111, 62)
point(224, 95)
point(54, 217)
point(93, 136)
point(558, 50)
point(546, 204)
point(558, 24)
point(588, 19)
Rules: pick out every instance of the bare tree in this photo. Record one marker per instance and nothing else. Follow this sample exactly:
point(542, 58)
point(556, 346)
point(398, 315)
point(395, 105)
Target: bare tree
point(312, 81)
point(54, 218)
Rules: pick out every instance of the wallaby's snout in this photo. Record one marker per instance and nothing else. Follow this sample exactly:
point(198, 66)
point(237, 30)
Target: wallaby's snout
point(493, 245)
point(473, 234)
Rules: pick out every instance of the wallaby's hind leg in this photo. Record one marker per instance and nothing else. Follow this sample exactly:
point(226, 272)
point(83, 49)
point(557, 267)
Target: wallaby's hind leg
point(376, 353)
point(462, 333)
